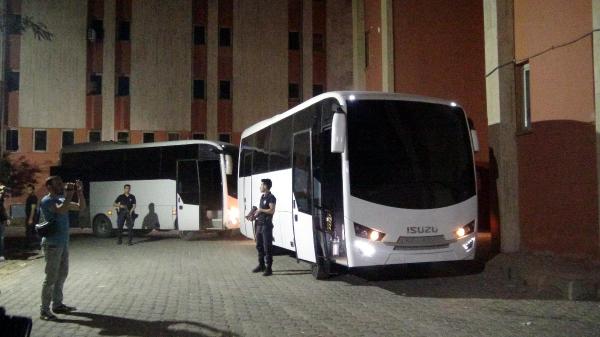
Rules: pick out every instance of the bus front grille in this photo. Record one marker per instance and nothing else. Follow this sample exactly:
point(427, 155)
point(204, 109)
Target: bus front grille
point(421, 242)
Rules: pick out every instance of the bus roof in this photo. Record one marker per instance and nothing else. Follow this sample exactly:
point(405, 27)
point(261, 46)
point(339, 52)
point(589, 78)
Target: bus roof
point(110, 145)
point(342, 96)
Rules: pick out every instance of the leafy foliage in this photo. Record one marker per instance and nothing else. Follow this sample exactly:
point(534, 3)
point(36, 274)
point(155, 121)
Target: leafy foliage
point(17, 24)
point(16, 174)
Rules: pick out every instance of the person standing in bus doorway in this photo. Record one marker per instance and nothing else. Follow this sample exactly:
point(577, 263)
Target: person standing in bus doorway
point(125, 213)
point(31, 216)
point(55, 207)
point(264, 228)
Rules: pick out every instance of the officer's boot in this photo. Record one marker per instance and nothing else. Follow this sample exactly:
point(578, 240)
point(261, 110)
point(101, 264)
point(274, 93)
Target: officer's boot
point(268, 271)
point(260, 267)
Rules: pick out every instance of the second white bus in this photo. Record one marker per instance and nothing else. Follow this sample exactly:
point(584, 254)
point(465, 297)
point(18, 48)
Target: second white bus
point(188, 185)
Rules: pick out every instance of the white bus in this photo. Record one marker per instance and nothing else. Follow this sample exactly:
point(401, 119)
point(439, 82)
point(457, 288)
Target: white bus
point(186, 185)
point(365, 179)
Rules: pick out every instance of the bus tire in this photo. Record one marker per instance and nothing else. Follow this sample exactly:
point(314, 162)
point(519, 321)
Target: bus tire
point(320, 271)
point(102, 226)
point(188, 235)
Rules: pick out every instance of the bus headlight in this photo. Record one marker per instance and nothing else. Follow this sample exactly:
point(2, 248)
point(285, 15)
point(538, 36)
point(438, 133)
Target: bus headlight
point(465, 230)
point(368, 233)
point(109, 212)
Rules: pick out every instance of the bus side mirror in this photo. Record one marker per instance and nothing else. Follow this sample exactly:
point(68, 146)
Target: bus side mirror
point(228, 164)
point(338, 132)
point(475, 140)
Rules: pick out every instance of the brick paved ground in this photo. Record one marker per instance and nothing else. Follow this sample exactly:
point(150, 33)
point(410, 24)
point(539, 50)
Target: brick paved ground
point(163, 286)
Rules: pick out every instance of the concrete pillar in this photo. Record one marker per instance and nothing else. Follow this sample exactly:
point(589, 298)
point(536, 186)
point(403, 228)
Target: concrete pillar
point(108, 70)
point(596, 52)
point(307, 50)
point(212, 67)
point(387, 46)
point(358, 45)
point(500, 93)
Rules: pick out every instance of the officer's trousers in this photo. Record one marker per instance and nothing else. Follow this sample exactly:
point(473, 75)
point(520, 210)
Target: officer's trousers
point(264, 244)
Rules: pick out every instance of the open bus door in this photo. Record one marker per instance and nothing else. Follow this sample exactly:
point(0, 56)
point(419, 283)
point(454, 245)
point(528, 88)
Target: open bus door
point(248, 227)
point(304, 241)
point(188, 198)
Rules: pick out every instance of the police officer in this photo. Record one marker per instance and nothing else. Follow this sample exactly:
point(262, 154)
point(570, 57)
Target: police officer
point(264, 228)
point(125, 213)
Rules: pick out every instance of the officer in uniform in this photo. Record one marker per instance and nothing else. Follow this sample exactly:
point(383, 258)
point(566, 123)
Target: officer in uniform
point(125, 213)
point(264, 228)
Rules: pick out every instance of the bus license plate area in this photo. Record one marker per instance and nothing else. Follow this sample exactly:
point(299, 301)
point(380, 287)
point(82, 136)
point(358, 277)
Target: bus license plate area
point(421, 242)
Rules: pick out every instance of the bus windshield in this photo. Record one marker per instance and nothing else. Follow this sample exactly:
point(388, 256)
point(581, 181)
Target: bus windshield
point(410, 155)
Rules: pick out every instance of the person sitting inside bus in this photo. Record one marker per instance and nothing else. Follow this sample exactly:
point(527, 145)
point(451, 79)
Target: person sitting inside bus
point(125, 204)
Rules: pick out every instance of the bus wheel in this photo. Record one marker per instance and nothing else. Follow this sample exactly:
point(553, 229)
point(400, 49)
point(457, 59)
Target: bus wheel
point(102, 226)
point(188, 235)
point(320, 270)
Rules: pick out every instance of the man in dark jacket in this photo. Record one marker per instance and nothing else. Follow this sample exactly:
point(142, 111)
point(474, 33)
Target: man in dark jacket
point(264, 228)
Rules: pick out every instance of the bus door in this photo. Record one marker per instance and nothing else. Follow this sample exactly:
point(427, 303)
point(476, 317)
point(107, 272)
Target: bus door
point(304, 241)
point(188, 195)
point(247, 196)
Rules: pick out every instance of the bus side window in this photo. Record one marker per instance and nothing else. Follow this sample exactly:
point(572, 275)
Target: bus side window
point(246, 157)
point(281, 145)
point(261, 156)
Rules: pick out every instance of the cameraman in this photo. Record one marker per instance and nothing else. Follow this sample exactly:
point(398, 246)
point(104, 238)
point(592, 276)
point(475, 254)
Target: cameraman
point(55, 207)
point(3, 220)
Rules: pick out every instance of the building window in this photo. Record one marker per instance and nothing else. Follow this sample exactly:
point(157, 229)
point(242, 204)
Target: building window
point(199, 35)
point(12, 81)
point(124, 33)
point(293, 91)
point(224, 37)
point(12, 140)
point(523, 89)
point(123, 88)
point(225, 137)
point(40, 140)
point(199, 89)
point(68, 137)
point(123, 137)
point(294, 40)
point(318, 43)
point(317, 89)
point(198, 136)
point(96, 31)
point(224, 90)
point(148, 137)
point(94, 137)
point(173, 136)
point(526, 97)
point(95, 84)
point(366, 49)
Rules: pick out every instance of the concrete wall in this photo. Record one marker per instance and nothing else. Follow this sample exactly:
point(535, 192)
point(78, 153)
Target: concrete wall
point(439, 52)
point(53, 74)
point(161, 64)
point(555, 170)
point(260, 61)
point(339, 45)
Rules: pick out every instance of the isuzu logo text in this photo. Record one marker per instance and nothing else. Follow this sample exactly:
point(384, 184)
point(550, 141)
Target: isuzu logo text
point(421, 229)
